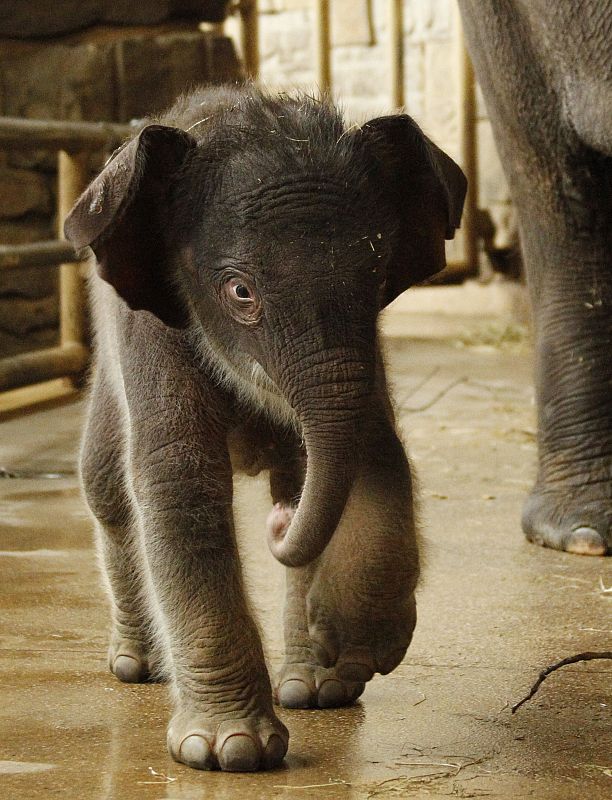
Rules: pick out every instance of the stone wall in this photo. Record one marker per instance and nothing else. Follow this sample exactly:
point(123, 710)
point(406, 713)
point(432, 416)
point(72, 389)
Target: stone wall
point(105, 73)
point(360, 74)
point(27, 19)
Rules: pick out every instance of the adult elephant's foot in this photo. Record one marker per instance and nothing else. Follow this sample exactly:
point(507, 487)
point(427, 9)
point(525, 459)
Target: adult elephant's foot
point(307, 685)
point(572, 520)
point(256, 742)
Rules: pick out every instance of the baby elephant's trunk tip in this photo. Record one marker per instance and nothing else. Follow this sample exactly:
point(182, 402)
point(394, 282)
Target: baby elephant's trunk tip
point(297, 536)
point(278, 522)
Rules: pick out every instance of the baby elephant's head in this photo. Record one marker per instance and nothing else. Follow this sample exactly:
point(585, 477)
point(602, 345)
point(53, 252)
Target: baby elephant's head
point(277, 234)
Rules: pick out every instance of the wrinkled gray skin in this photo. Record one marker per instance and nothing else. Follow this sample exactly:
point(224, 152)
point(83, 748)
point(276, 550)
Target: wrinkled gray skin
point(546, 73)
point(240, 268)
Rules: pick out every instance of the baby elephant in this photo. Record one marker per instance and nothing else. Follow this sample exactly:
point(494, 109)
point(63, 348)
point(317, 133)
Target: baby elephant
point(244, 246)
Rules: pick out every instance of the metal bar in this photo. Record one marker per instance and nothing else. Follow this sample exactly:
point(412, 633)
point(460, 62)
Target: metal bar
point(42, 365)
point(396, 52)
point(73, 177)
point(323, 45)
point(38, 254)
point(58, 389)
point(468, 155)
point(249, 37)
point(19, 134)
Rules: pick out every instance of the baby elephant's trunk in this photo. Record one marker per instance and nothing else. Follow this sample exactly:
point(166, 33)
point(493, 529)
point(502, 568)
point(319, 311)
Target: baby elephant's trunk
point(332, 413)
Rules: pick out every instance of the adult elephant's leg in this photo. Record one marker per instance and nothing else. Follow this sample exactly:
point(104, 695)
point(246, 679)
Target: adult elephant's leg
point(568, 252)
point(563, 194)
point(182, 482)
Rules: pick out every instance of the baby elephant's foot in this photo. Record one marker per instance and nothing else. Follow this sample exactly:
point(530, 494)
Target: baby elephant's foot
point(360, 646)
point(312, 686)
point(129, 661)
point(235, 745)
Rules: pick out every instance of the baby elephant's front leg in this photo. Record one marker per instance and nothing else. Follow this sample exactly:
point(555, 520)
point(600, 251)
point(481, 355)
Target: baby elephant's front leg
point(352, 613)
point(223, 717)
point(361, 605)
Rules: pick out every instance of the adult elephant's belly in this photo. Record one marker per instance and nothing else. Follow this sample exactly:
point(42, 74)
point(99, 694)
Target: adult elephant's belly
point(588, 109)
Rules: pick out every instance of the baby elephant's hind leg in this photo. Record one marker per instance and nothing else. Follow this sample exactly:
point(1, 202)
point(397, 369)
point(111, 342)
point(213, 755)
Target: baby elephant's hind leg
point(102, 472)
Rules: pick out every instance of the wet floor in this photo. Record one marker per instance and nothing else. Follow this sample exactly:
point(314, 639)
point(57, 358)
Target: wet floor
point(493, 611)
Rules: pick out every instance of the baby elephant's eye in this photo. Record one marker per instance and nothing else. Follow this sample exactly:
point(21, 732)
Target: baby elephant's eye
point(242, 292)
point(241, 299)
point(239, 290)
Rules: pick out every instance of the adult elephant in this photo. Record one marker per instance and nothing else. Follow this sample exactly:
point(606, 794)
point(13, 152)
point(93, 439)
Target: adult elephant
point(546, 73)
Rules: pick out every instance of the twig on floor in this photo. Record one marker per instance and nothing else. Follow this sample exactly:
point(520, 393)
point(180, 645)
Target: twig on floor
point(334, 782)
point(438, 396)
point(426, 764)
point(161, 779)
point(416, 388)
point(553, 667)
point(604, 589)
point(421, 699)
point(401, 783)
point(606, 770)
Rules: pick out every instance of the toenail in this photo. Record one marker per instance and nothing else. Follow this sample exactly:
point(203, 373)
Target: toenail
point(275, 751)
point(294, 693)
point(355, 691)
point(331, 693)
point(239, 754)
point(586, 541)
point(128, 669)
point(195, 752)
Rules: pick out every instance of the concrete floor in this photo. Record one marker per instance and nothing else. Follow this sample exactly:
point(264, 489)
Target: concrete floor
point(493, 611)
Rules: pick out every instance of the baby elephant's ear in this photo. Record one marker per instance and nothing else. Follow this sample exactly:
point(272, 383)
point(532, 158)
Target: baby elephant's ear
point(427, 191)
point(121, 217)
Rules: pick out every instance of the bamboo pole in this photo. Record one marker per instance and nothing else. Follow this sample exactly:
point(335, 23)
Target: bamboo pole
point(468, 149)
point(74, 140)
point(56, 390)
point(323, 45)
point(19, 134)
point(72, 179)
point(396, 52)
point(249, 37)
point(40, 255)
point(42, 365)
